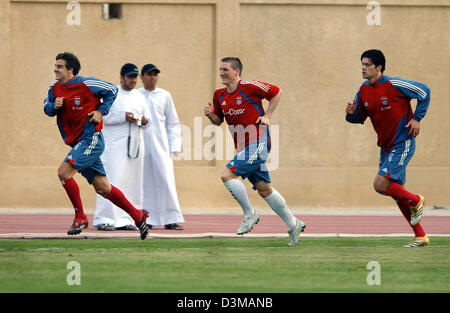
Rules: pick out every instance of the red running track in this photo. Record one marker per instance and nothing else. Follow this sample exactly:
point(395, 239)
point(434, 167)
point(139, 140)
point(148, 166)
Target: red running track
point(227, 224)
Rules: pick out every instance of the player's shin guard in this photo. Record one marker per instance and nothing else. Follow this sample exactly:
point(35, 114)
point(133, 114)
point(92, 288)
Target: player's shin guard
point(239, 192)
point(73, 191)
point(117, 197)
point(276, 201)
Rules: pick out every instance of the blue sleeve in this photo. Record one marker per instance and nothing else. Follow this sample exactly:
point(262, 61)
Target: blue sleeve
point(49, 102)
point(105, 91)
point(357, 117)
point(414, 90)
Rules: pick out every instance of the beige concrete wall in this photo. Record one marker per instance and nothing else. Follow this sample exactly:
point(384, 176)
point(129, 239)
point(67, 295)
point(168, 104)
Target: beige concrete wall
point(5, 83)
point(310, 49)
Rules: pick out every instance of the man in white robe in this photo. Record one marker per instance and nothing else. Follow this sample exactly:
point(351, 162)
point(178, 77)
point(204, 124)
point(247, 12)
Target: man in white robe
point(162, 140)
point(123, 157)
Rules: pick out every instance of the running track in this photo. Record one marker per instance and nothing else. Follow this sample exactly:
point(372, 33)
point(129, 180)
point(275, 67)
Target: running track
point(51, 225)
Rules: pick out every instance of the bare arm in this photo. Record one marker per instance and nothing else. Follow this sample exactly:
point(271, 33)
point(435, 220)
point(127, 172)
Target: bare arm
point(265, 120)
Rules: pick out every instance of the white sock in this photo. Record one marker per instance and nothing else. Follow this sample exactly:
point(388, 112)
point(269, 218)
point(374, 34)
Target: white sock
point(238, 191)
point(278, 204)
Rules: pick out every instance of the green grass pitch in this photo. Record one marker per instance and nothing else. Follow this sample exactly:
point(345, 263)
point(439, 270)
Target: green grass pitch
point(218, 265)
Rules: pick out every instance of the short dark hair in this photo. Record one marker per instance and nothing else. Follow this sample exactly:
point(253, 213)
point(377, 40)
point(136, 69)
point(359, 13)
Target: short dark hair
point(235, 63)
point(376, 57)
point(72, 61)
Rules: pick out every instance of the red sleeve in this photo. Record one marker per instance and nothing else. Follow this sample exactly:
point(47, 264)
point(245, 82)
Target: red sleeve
point(265, 90)
point(217, 109)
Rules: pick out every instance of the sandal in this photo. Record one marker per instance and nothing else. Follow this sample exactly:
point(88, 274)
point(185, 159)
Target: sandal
point(174, 226)
point(127, 227)
point(105, 227)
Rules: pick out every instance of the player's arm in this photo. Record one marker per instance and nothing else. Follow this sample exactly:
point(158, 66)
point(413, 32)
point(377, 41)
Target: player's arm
point(354, 113)
point(50, 107)
point(273, 103)
point(209, 112)
point(105, 91)
point(414, 90)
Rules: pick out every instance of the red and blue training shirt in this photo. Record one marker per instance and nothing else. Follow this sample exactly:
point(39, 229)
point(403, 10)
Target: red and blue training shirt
point(387, 103)
point(82, 95)
point(241, 108)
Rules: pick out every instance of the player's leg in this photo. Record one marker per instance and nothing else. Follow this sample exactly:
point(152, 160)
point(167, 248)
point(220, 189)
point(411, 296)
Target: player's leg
point(237, 189)
point(65, 174)
point(278, 204)
point(66, 171)
point(85, 157)
point(276, 201)
point(395, 190)
point(87, 160)
point(113, 194)
point(420, 237)
point(392, 176)
point(241, 165)
point(388, 187)
point(76, 160)
point(404, 207)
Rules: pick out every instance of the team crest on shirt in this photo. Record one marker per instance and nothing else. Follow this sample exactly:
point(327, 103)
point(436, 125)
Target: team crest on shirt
point(77, 102)
point(224, 103)
point(384, 104)
point(239, 101)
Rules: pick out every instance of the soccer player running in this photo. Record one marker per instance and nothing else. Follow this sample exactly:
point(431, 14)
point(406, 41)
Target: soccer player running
point(386, 100)
point(79, 104)
point(240, 104)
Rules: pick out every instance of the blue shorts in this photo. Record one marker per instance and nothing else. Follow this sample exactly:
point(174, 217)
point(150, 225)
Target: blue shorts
point(85, 156)
point(393, 163)
point(251, 163)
